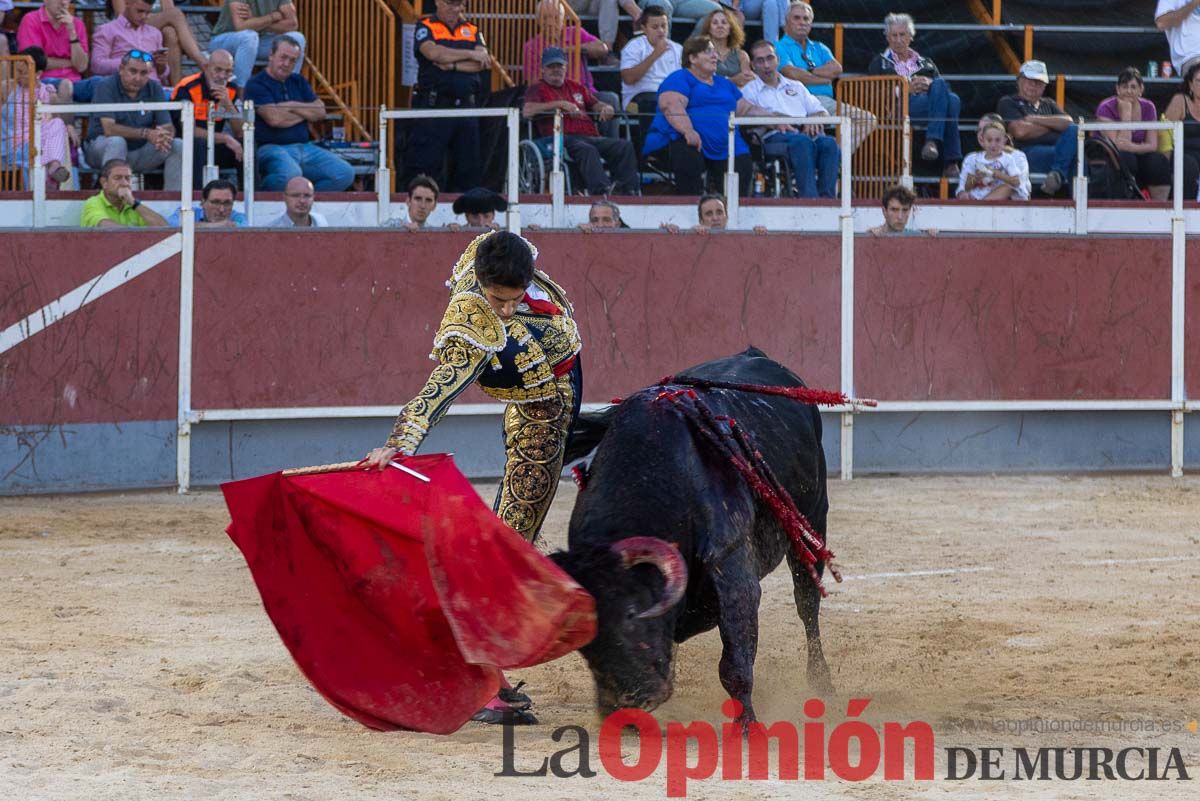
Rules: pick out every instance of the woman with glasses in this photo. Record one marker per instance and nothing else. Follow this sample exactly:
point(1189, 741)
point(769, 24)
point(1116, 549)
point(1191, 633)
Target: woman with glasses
point(691, 128)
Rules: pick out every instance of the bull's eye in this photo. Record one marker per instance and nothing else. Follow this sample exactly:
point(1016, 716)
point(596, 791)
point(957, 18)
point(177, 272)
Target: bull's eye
point(631, 612)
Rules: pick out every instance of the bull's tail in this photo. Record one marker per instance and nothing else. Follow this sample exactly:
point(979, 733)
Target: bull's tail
point(586, 434)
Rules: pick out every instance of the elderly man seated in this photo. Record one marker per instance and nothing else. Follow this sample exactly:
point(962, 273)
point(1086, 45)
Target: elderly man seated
point(1040, 128)
point(814, 156)
point(581, 138)
point(144, 139)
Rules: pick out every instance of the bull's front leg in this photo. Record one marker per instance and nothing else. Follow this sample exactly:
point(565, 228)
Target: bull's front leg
point(738, 624)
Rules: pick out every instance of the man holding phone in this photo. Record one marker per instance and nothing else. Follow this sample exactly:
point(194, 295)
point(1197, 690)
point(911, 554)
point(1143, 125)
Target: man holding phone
point(130, 31)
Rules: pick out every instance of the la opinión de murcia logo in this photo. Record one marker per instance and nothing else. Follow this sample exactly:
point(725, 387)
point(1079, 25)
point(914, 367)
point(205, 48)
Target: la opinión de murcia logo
point(853, 750)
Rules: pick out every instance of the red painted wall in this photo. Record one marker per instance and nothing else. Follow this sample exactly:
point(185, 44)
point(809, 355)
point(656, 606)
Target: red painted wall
point(114, 360)
point(982, 318)
point(287, 318)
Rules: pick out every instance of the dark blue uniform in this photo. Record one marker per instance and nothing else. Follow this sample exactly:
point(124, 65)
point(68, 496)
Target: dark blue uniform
point(429, 139)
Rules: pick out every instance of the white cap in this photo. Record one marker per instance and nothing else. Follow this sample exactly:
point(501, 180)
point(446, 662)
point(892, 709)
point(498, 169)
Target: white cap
point(1035, 70)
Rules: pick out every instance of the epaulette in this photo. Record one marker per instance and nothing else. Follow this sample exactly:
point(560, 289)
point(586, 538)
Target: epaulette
point(471, 319)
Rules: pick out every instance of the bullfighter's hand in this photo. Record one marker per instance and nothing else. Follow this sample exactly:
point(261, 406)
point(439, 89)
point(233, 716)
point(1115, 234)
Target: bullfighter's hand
point(379, 458)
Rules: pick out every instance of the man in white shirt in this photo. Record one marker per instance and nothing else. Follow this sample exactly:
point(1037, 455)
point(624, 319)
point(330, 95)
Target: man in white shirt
point(1180, 21)
point(298, 197)
point(645, 62)
point(814, 156)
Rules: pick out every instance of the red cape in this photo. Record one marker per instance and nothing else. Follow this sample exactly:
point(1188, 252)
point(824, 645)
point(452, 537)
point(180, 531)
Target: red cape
point(401, 600)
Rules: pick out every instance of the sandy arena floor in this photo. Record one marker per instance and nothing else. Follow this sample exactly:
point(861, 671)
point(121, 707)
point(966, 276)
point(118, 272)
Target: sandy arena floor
point(136, 661)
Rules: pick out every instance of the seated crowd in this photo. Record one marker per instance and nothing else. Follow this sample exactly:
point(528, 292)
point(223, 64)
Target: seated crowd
point(681, 96)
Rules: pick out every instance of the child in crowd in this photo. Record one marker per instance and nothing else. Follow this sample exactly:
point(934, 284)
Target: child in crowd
point(996, 172)
point(57, 136)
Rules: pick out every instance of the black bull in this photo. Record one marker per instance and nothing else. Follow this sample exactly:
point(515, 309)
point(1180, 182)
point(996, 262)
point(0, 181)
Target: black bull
point(653, 480)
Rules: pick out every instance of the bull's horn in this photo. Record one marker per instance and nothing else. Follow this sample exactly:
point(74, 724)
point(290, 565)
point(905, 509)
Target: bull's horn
point(664, 556)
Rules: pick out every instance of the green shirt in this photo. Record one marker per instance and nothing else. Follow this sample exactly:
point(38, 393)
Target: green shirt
point(97, 209)
point(258, 8)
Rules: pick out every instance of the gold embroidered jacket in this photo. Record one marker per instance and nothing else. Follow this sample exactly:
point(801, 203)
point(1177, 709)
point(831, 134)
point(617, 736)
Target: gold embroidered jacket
point(512, 362)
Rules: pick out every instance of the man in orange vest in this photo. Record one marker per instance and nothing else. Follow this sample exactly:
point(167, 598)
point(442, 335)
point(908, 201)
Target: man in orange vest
point(213, 90)
point(453, 67)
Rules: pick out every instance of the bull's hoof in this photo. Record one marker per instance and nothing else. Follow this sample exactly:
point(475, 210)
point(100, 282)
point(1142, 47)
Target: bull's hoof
point(507, 717)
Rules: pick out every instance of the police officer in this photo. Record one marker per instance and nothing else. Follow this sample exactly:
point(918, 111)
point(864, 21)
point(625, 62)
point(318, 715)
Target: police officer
point(453, 72)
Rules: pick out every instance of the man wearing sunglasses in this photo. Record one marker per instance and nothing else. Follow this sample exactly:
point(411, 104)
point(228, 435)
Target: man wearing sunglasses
point(812, 64)
point(128, 32)
point(453, 71)
point(145, 139)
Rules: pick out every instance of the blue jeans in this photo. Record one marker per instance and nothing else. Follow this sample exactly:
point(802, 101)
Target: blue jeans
point(1060, 156)
point(82, 90)
point(278, 164)
point(939, 107)
point(248, 47)
point(771, 12)
point(805, 153)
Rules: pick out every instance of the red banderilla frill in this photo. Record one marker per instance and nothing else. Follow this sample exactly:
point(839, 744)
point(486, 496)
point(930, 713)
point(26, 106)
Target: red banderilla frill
point(735, 444)
point(817, 397)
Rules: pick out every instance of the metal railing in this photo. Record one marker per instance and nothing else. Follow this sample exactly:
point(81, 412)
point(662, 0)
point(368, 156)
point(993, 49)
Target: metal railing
point(383, 180)
point(846, 229)
point(212, 172)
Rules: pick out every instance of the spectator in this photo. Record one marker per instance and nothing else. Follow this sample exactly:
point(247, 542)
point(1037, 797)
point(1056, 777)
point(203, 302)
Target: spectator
point(1039, 127)
point(177, 34)
point(604, 215)
point(645, 61)
point(771, 12)
point(1138, 149)
point(587, 148)
point(813, 155)
point(897, 207)
point(1180, 21)
point(691, 126)
point(479, 205)
point(723, 28)
point(298, 198)
point(422, 200)
point(249, 30)
point(216, 208)
point(128, 32)
point(213, 90)
point(144, 139)
point(284, 105)
point(453, 68)
point(555, 33)
point(930, 101)
point(710, 211)
point(606, 10)
point(993, 173)
point(115, 206)
point(55, 151)
point(1185, 106)
point(62, 37)
point(812, 64)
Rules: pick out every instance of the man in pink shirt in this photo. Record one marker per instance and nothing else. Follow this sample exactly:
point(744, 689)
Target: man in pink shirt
point(130, 31)
point(61, 36)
